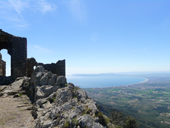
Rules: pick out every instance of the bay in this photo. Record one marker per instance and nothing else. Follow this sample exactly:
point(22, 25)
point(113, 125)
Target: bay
point(103, 81)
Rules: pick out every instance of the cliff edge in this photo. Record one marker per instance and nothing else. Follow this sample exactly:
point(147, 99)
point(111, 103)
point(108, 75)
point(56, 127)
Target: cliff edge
point(56, 103)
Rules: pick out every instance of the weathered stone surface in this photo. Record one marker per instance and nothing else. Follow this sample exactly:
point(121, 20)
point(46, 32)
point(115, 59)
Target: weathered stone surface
point(61, 80)
point(2, 66)
point(63, 95)
point(15, 87)
point(17, 49)
point(44, 79)
point(36, 75)
point(72, 115)
point(17, 84)
point(92, 106)
point(70, 86)
point(52, 80)
point(79, 109)
point(30, 62)
point(81, 94)
point(86, 121)
point(45, 90)
point(56, 68)
point(46, 124)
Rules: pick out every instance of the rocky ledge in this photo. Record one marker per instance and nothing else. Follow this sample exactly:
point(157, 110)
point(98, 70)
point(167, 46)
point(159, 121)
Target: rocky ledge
point(56, 103)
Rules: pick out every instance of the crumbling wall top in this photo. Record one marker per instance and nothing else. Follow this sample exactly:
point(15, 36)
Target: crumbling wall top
point(7, 34)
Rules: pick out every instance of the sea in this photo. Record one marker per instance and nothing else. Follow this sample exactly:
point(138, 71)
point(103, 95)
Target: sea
point(103, 81)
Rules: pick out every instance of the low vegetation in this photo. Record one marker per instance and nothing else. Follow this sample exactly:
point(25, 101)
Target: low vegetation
point(147, 103)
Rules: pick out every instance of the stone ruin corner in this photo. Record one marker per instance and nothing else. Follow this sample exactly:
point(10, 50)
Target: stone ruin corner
point(20, 64)
point(56, 68)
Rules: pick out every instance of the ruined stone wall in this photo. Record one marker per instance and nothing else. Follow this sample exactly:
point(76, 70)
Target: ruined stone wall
point(17, 48)
point(20, 65)
point(30, 63)
point(2, 67)
point(56, 68)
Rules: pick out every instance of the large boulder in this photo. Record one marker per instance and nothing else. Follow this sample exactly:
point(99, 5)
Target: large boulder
point(63, 95)
point(52, 80)
point(61, 81)
point(44, 79)
point(36, 75)
point(16, 86)
point(81, 94)
point(44, 91)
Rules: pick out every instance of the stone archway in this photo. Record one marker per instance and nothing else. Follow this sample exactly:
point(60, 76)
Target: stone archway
point(17, 49)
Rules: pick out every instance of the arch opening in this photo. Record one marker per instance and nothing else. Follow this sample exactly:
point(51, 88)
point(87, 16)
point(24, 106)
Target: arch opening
point(34, 67)
point(5, 69)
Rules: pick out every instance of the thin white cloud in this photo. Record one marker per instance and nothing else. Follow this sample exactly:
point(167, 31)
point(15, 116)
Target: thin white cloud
point(19, 6)
point(9, 15)
point(45, 7)
point(77, 9)
point(12, 12)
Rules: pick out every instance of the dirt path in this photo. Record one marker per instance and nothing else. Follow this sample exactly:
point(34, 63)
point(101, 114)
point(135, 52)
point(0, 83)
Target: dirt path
point(14, 113)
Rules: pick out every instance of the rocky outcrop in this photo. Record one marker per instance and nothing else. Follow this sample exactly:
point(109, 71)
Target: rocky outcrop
point(57, 103)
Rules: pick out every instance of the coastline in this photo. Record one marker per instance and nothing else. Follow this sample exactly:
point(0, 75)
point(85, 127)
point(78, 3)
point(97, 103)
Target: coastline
point(139, 82)
point(124, 84)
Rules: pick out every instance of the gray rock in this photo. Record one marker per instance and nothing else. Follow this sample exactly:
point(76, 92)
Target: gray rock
point(44, 79)
point(16, 86)
point(97, 125)
point(93, 108)
point(61, 80)
point(85, 121)
point(71, 116)
point(63, 95)
point(79, 109)
point(70, 86)
point(81, 94)
point(45, 90)
point(52, 80)
point(46, 124)
point(66, 106)
point(36, 75)
point(69, 105)
point(41, 101)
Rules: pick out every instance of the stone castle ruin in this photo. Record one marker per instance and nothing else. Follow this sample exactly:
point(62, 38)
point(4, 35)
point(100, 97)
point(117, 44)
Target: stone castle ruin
point(20, 64)
point(17, 49)
point(44, 90)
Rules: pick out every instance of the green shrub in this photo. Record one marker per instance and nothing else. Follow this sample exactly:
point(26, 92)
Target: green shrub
point(87, 111)
point(20, 94)
point(122, 121)
point(67, 124)
point(74, 122)
point(76, 87)
point(130, 123)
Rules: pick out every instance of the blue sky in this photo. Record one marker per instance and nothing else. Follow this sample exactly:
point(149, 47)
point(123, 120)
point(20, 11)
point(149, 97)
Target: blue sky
point(94, 36)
